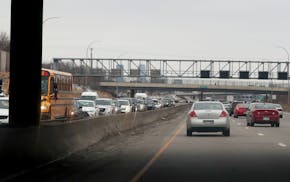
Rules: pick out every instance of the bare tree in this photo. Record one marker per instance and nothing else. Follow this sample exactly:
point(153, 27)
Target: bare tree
point(4, 42)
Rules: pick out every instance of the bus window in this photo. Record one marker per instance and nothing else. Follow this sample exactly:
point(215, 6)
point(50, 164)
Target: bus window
point(44, 85)
point(55, 90)
point(51, 85)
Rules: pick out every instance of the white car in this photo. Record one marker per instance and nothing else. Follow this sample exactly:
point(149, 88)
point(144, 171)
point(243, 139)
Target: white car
point(89, 107)
point(106, 106)
point(280, 109)
point(157, 103)
point(141, 105)
point(89, 95)
point(4, 110)
point(125, 106)
point(208, 116)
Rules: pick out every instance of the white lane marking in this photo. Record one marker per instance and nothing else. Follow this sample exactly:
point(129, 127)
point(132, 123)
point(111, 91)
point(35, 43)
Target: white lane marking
point(260, 134)
point(282, 144)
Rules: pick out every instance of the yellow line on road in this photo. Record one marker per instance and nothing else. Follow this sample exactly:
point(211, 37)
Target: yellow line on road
point(156, 156)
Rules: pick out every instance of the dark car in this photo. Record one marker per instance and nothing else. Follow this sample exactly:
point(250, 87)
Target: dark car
point(150, 104)
point(166, 102)
point(234, 104)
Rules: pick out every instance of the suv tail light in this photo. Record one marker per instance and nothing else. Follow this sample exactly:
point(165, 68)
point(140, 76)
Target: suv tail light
point(223, 114)
point(192, 114)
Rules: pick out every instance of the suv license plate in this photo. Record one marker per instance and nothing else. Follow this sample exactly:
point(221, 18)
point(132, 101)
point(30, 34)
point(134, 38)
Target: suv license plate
point(266, 118)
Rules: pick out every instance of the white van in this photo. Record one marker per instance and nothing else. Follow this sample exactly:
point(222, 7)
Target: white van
point(89, 95)
point(141, 95)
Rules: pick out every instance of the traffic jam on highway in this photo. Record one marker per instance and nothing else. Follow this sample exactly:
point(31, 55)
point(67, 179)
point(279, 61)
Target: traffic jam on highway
point(91, 105)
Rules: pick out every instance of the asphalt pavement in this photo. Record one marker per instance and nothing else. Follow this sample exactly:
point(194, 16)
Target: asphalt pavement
point(162, 152)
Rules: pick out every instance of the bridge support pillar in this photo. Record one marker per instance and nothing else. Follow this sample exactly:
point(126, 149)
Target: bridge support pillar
point(132, 93)
point(25, 63)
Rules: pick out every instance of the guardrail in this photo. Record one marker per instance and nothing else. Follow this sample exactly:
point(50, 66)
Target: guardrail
point(24, 148)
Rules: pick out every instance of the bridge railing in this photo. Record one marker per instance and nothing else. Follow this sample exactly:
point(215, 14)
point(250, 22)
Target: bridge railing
point(238, 82)
point(219, 82)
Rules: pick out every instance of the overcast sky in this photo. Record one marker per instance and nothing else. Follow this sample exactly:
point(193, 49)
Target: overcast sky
point(169, 29)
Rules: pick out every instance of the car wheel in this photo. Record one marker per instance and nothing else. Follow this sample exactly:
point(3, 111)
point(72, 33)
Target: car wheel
point(272, 124)
point(281, 116)
point(252, 123)
point(226, 132)
point(278, 124)
point(188, 132)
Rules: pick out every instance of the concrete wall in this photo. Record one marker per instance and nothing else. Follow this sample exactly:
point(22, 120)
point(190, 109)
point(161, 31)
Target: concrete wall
point(27, 147)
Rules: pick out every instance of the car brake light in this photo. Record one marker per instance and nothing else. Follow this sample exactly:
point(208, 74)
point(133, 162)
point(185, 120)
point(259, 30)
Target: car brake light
point(192, 114)
point(223, 114)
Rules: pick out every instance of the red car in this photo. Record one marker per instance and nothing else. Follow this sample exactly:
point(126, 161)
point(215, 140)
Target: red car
point(241, 110)
point(263, 113)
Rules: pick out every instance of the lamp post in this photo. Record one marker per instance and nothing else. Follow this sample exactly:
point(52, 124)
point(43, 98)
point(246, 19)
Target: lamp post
point(89, 45)
point(49, 18)
point(91, 58)
point(287, 71)
point(285, 51)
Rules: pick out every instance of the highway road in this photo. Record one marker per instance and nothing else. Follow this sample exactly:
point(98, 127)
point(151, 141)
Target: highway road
point(162, 152)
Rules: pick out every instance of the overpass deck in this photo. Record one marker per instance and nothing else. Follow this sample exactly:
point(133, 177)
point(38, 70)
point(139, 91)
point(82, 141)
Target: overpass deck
point(195, 87)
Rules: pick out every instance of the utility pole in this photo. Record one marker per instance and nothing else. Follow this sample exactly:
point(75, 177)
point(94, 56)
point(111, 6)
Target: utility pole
point(23, 40)
point(91, 58)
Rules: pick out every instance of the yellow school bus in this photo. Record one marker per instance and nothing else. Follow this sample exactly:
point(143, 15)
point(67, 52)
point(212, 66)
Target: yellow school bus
point(56, 94)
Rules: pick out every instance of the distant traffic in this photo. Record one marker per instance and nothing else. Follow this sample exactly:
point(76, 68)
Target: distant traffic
point(82, 107)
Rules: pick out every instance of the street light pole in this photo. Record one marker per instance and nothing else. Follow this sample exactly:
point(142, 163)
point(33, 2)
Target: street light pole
point(89, 45)
point(91, 58)
point(49, 18)
point(285, 51)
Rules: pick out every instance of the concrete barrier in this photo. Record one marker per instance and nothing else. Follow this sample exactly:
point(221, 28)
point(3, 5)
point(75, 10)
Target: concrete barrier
point(24, 148)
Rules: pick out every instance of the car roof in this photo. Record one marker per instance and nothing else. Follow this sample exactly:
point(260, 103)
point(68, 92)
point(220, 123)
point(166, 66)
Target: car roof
point(208, 102)
point(123, 100)
point(104, 99)
point(262, 103)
